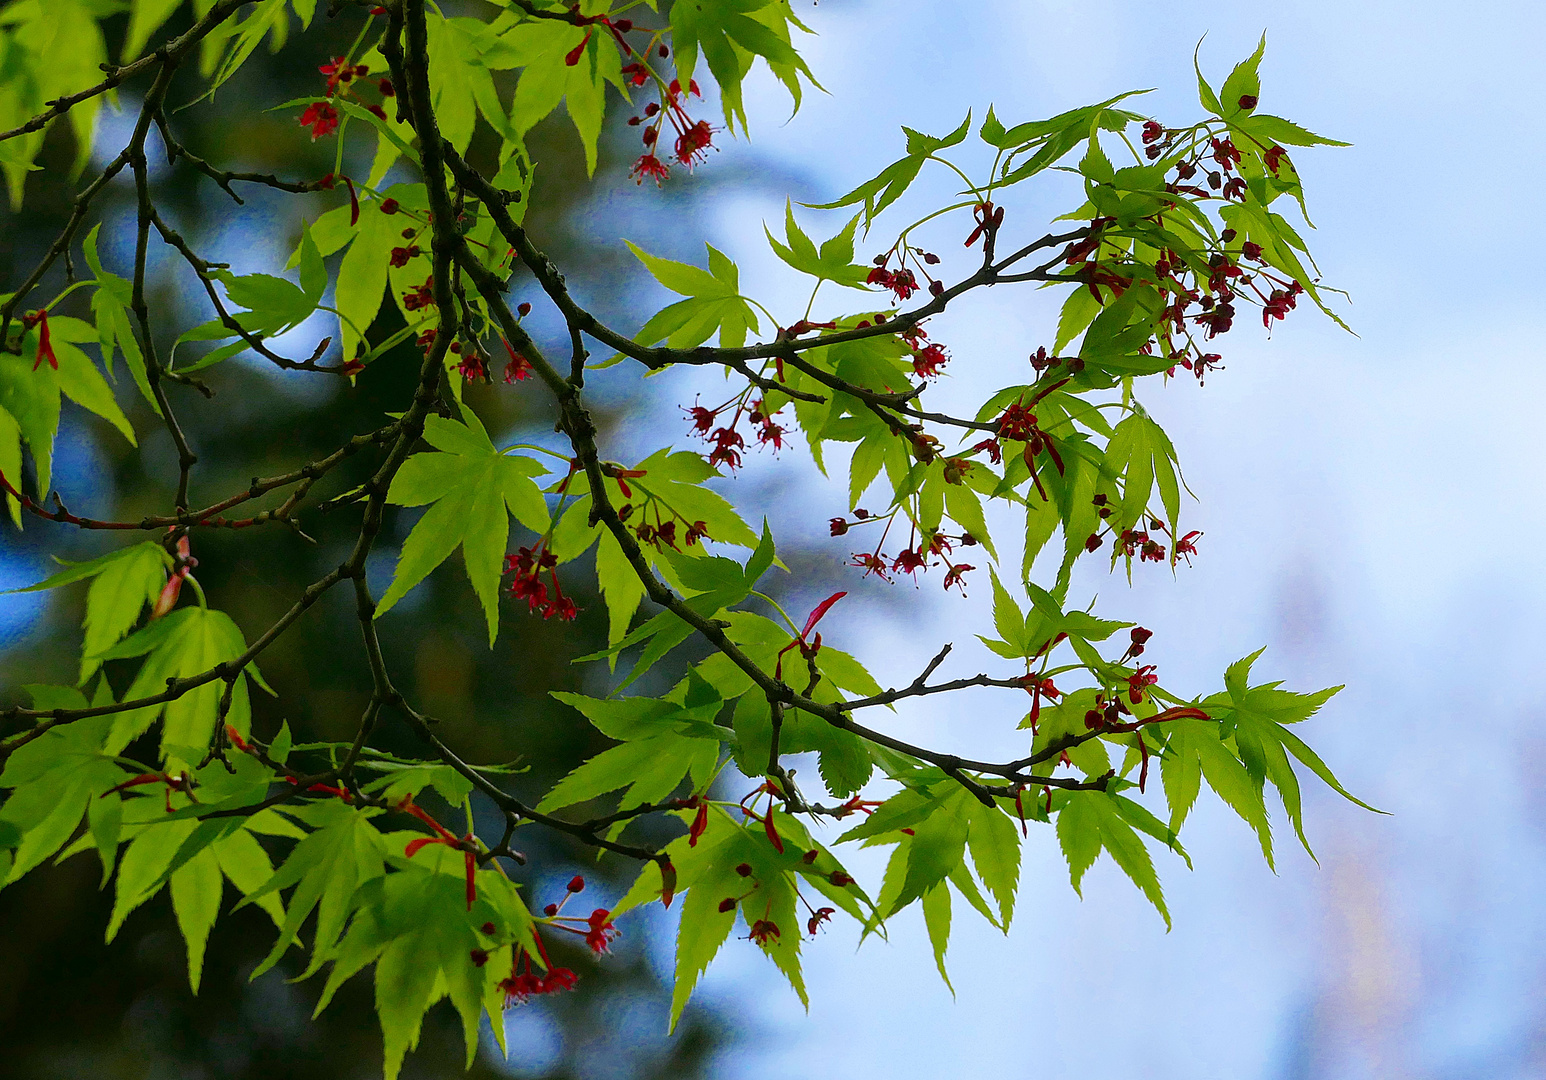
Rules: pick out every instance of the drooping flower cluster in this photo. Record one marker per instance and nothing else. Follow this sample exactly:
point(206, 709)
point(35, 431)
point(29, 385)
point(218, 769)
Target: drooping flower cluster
point(343, 79)
point(694, 138)
point(727, 440)
point(928, 356)
point(526, 567)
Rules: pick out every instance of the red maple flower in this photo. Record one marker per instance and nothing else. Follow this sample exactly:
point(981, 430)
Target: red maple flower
point(422, 297)
point(601, 933)
point(995, 451)
point(955, 577)
point(1139, 679)
point(909, 561)
point(903, 283)
point(1017, 422)
point(693, 144)
point(1225, 153)
point(472, 367)
point(1186, 546)
point(651, 167)
point(872, 564)
point(819, 916)
point(928, 361)
point(321, 117)
point(518, 368)
point(763, 931)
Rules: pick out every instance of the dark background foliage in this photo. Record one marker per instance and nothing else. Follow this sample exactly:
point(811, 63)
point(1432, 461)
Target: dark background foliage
point(71, 1005)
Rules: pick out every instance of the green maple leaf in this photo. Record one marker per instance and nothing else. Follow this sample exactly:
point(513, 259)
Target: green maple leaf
point(714, 303)
point(471, 486)
point(833, 262)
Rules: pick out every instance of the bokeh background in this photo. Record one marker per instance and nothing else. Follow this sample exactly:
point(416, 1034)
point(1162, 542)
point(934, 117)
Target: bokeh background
point(1370, 503)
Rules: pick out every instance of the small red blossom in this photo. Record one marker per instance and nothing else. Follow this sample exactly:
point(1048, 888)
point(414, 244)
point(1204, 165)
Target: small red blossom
point(1225, 153)
point(422, 297)
point(909, 561)
point(472, 368)
point(1139, 679)
point(871, 564)
point(601, 932)
point(995, 451)
point(693, 143)
point(649, 167)
point(819, 916)
point(903, 283)
point(1186, 546)
point(518, 368)
point(763, 931)
point(955, 577)
point(321, 117)
point(928, 361)
point(1017, 422)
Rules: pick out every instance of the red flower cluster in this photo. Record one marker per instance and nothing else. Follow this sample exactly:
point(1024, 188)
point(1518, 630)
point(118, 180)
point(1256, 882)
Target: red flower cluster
point(1017, 422)
point(694, 138)
point(1139, 679)
point(339, 70)
point(321, 117)
point(1139, 543)
point(527, 566)
point(519, 367)
point(901, 281)
point(927, 358)
point(422, 297)
point(523, 985)
point(728, 441)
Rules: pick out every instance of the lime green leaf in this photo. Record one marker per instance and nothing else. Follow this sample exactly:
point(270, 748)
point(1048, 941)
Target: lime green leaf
point(472, 486)
point(196, 889)
point(325, 868)
point(936, 917)
point(995, 846)
point(728, 34)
